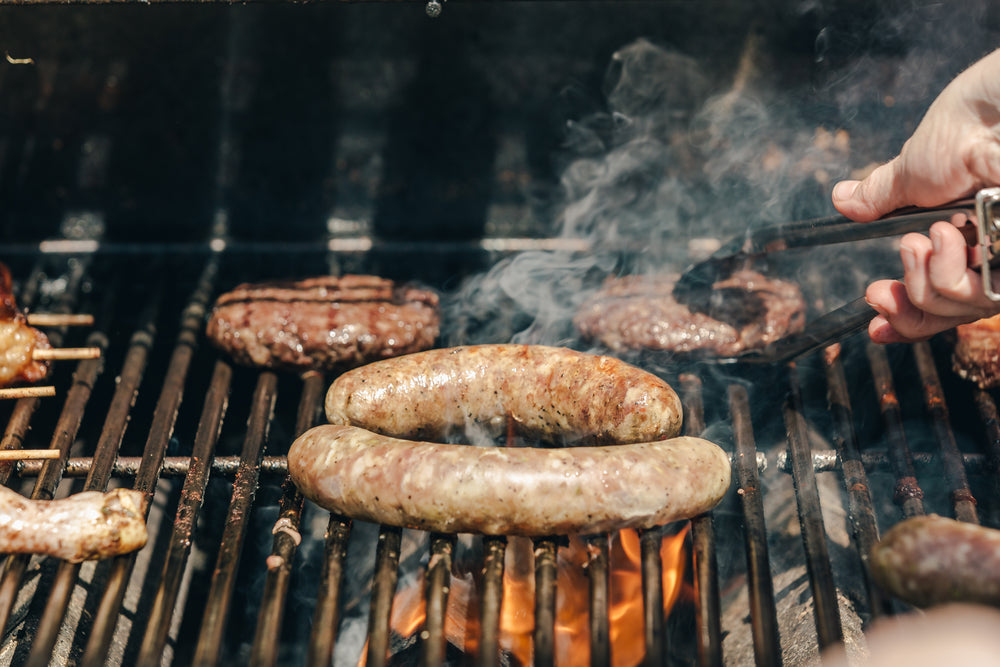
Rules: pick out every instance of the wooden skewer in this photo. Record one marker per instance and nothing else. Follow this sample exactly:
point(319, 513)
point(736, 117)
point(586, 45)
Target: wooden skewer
point(26, 454)
point(61, 354)
point(27, 392)
point(60, 320)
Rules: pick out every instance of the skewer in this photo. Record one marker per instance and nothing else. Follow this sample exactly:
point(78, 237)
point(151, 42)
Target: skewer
point(62, 354)
point(26, 454)
point(27, 392)
point(60, 320)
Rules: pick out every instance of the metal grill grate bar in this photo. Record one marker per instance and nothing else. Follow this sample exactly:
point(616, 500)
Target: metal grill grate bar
point(383, 591)
point(192, 496)
point(438, 581)
point(597, 576)
point(951, 458)
point(327, 614)
point(763, 613)
point(220, 592)
point(495, 549)
point(265, 646)
point(546, 552)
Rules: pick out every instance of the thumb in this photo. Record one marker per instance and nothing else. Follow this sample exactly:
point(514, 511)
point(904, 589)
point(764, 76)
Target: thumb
point(871, 198)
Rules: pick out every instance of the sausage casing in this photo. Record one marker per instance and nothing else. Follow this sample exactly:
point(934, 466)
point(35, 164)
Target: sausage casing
point(507, 490)
point(549, 394)
point(929, 560)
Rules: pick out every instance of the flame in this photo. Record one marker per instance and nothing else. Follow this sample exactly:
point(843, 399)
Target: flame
point(572, 628)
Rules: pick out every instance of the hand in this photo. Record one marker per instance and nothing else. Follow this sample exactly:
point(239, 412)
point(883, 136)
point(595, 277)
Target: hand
point(939, 290)
point(953, 152)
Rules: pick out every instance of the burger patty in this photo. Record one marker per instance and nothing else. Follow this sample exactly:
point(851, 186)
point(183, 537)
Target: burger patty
point(747, 311)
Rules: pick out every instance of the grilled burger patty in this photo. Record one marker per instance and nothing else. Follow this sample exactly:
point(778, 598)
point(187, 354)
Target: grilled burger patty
point(323, 323)
point(641, 313)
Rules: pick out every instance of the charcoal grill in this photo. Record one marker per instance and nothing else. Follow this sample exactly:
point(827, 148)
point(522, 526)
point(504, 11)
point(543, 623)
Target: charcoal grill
point(239, 569)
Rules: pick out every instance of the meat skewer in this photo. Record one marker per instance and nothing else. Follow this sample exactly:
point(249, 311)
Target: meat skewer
point(25, 352)
point(60, 320)
point(84, 526)
point(28, 454)
point(27, 392)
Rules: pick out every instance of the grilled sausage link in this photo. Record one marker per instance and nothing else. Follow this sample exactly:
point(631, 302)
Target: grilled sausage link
point(546, 393)
point(507, 490)
point(929, 560)
point(83, 526)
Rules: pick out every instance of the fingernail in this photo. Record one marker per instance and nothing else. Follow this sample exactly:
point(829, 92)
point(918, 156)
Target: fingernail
point(877, 308)
point(845, 189)
point(909, 258)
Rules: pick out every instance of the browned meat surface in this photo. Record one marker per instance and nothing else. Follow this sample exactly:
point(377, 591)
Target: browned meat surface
point(17, 340)
point(323, 323)
point(543, 393)
point(976, 356)
point(930, 560)
point(84, 526)
point(640, 312)
point(507, 490)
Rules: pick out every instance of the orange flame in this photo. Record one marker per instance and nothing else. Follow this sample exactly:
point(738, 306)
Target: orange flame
point(572, 629)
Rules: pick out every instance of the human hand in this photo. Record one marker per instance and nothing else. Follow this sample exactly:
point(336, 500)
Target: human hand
point(939, 290)
point(953, 152)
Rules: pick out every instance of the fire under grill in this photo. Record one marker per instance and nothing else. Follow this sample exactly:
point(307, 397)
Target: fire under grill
point(239, 569)
point(139, 180)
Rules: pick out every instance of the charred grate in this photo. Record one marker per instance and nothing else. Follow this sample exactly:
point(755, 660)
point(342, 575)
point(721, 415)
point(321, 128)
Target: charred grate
point(132, 611)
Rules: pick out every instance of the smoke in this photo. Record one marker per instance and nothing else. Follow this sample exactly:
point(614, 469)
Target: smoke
point(679, 154)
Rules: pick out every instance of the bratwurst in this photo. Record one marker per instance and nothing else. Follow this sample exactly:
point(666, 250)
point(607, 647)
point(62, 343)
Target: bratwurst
point(549, 394)
point(507, 490)
point(929, 560)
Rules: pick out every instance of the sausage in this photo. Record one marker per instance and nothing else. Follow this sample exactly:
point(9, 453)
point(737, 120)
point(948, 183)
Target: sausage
point(929, 560)
point(507, 490)
point(83, 526)
point(551, 394)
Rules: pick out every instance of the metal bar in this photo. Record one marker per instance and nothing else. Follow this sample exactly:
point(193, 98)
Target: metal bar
point(110, 440)
point(63, 437)
point(991, 423)
point(192, 496)
point(160, 431)
point(908, 493)
point(824, 591)
point(708, 612)
point(326, 616)
point(435, 643)
point(546, 568)
point(383, 591)
point(286, 537)
point(763, 613)
point(495, 549)
point(828, 460)
point(961, 496)
point(599, 582)
point(220, 593)
point(860, 510)
point(654, 632)
point(16, 431)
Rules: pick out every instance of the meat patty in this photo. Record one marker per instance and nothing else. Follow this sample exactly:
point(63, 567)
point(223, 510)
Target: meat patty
point(507, 490)
point(976, 356)
point(641, 313)
point(324, 323)
point(83, 526)
point(547, 394)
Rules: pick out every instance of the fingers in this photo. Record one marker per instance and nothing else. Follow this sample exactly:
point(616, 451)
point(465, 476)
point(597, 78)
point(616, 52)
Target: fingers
point(899, 320)
point(871, 198)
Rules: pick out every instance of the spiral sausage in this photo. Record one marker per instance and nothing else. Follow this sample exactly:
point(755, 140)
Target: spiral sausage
point(507, 490)
point(550, 394)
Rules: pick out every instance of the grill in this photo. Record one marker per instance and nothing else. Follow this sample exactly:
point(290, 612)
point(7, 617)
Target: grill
point(239, 569)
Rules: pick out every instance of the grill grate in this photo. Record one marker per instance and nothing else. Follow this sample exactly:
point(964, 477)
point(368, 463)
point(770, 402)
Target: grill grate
point(54, 625)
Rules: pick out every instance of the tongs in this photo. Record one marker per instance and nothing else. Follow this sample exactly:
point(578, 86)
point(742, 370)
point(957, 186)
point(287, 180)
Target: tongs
point(694, 287)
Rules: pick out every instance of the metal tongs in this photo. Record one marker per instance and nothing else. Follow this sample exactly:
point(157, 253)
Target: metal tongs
point(694, 288)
